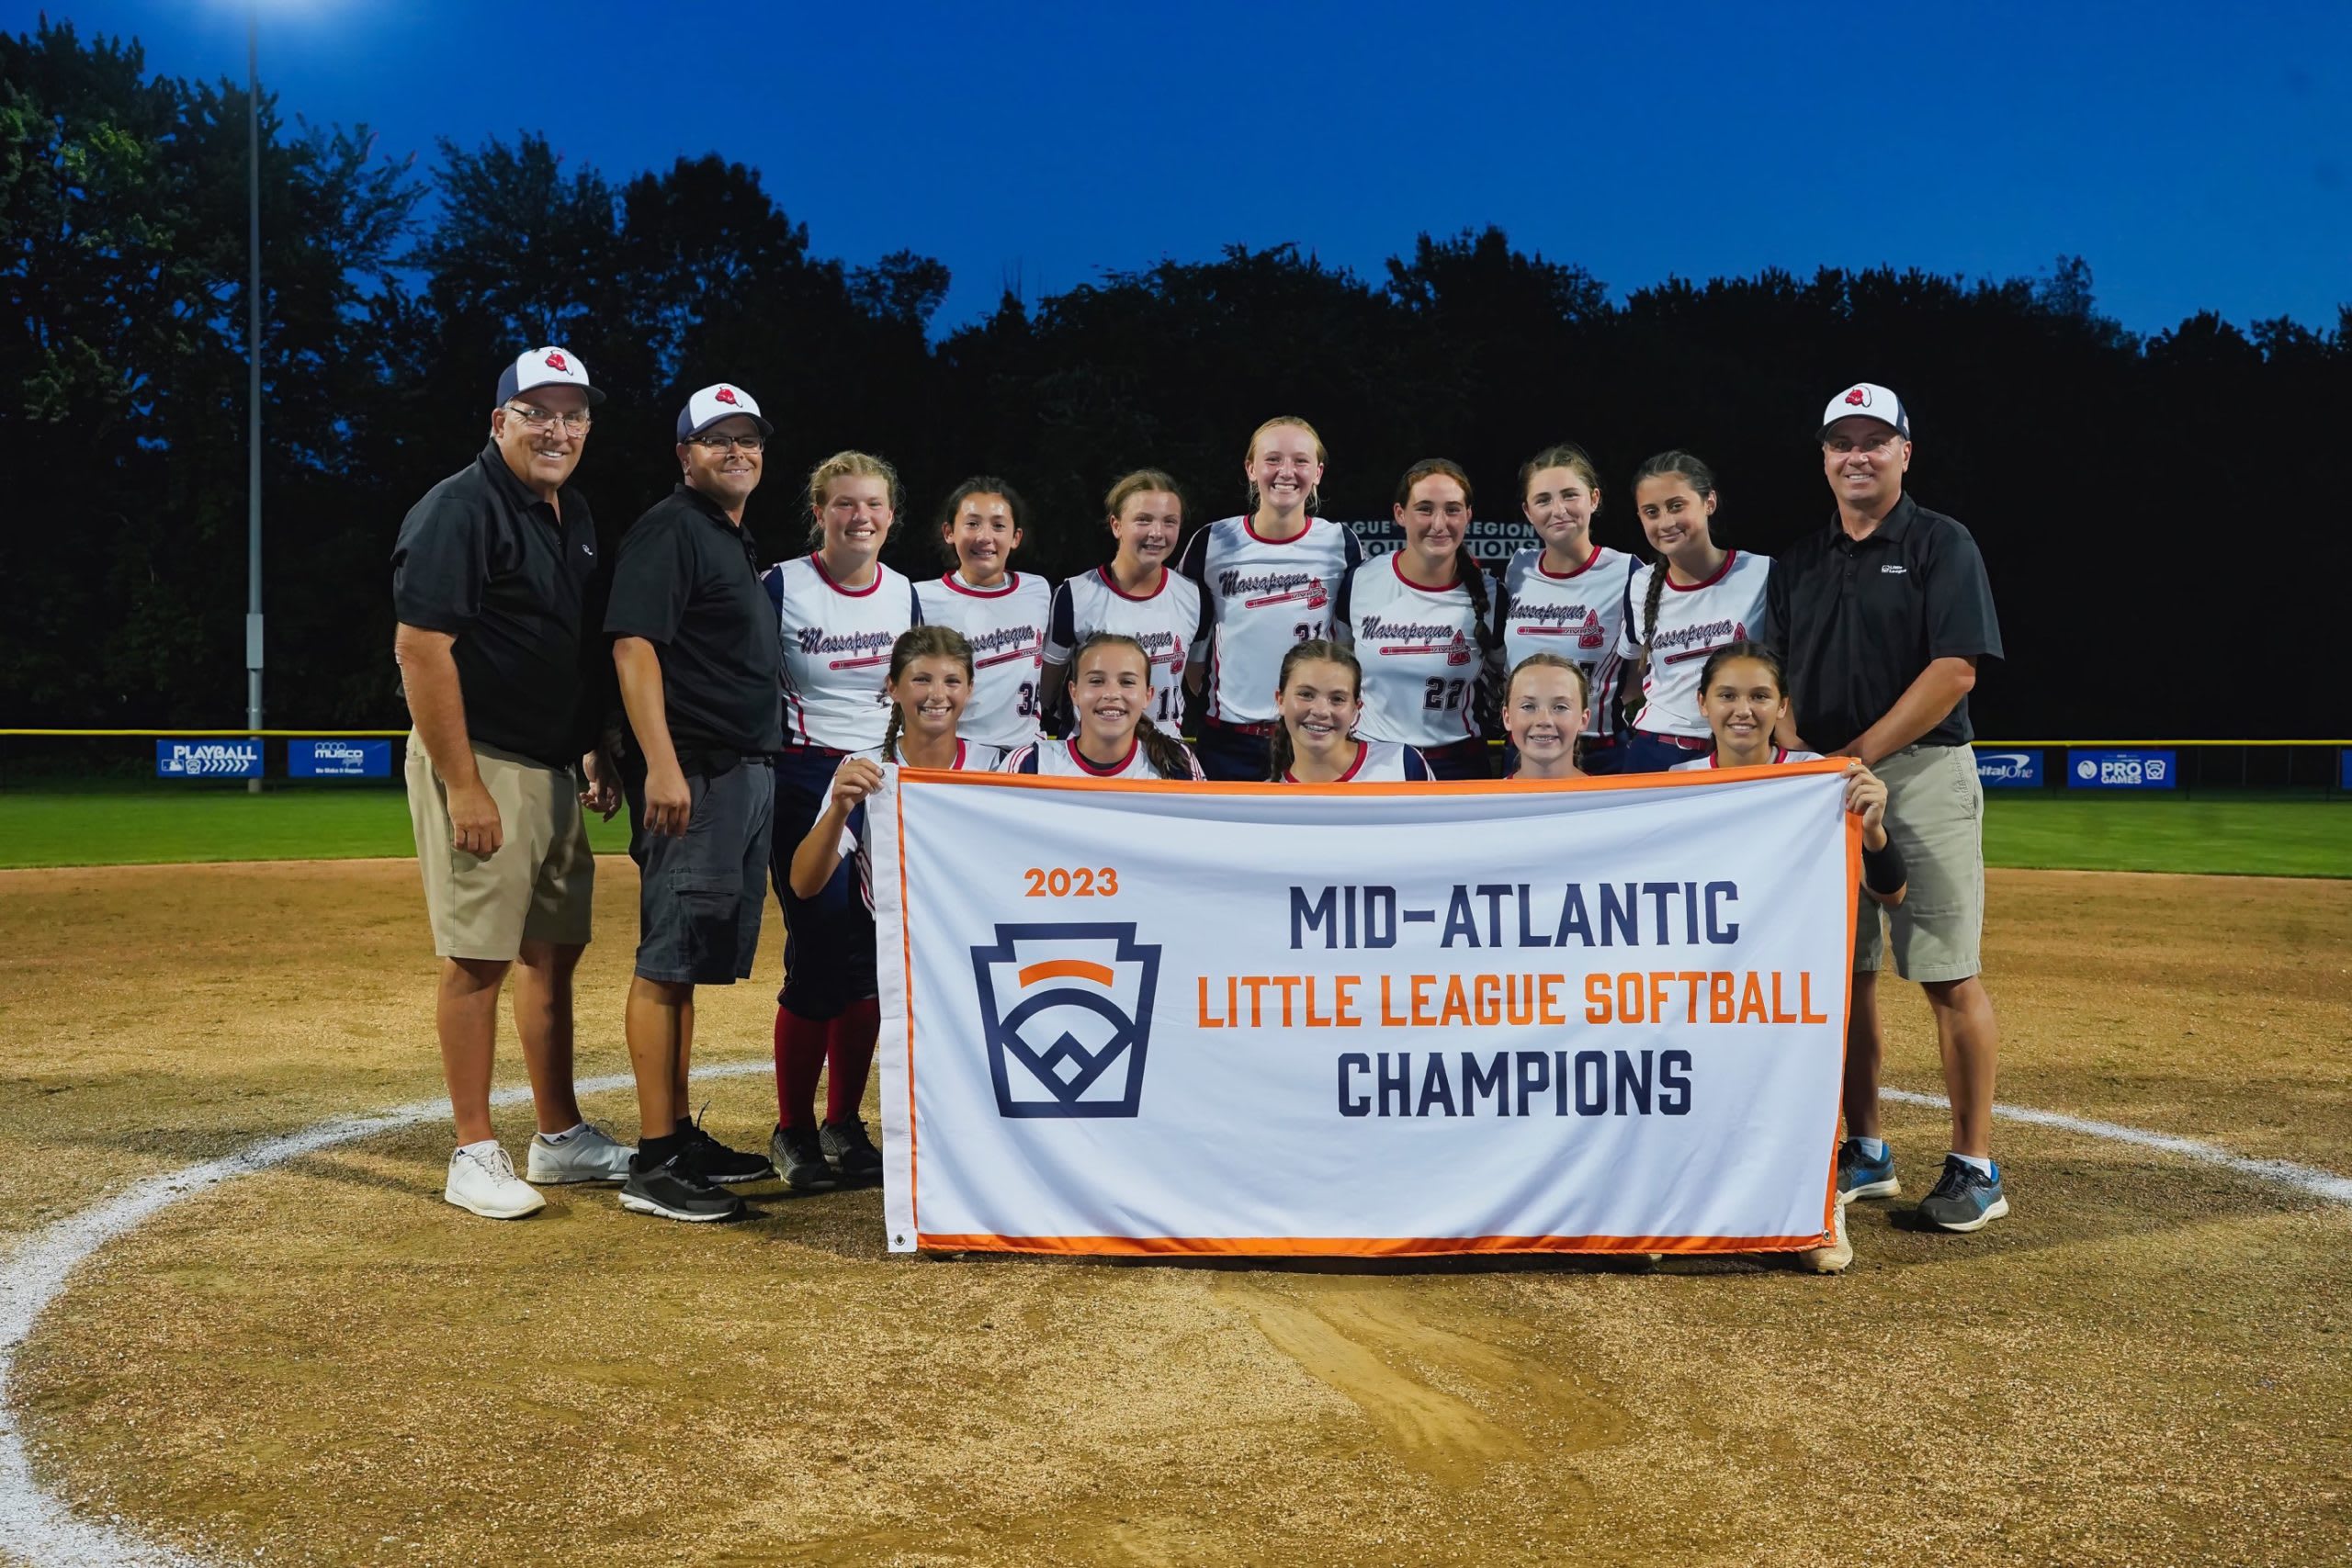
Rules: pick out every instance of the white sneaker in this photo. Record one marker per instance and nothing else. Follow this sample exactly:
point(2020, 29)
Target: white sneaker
point(586, 1155)
point(1834, 1253)
point(485, 1183)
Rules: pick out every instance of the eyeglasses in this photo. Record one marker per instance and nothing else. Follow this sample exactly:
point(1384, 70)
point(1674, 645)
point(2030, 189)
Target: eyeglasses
point(728, 442)
point(1844, 445)
point(544, 418)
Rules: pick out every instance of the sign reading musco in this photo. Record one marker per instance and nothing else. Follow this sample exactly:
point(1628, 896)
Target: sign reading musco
point(1602, 1017)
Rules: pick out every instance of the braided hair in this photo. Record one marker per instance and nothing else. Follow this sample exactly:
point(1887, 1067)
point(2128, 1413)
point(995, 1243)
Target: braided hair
point(1164, 751)
point(1702, 480)
point(1466, 570)
point(931, 641)
point(1320, 650)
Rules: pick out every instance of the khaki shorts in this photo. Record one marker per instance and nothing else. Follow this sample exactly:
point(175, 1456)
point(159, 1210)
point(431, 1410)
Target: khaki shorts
point(1935, 814)
point(540, 884)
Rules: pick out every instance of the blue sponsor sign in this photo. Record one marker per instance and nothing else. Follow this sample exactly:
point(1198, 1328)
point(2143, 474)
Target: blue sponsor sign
point(2009, 770)
point(2121, 769)
point(338, 759)
point(207, 758)
point(2343, 777)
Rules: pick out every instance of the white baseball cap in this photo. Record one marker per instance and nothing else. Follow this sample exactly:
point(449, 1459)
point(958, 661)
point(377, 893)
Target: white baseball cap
point(1868, 399)
point(713, 403)
point(549, 366)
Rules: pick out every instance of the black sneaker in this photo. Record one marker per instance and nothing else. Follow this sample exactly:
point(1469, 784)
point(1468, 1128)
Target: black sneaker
point(1965, 1198)
point(675, 1190)
point(796, 1152)
point(851, 1152)
point(714, 1161)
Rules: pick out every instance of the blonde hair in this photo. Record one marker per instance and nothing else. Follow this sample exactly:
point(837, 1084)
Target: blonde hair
point(1552, 661)
point(1277, 422)
point(842, 466)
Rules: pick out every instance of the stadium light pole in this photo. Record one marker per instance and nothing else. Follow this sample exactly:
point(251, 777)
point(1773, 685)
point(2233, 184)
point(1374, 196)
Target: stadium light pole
point(252, 379)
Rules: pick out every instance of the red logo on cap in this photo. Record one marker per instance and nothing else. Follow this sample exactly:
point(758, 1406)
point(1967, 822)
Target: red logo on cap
point(554, 362)
point(725, 394)
point(1859, 398)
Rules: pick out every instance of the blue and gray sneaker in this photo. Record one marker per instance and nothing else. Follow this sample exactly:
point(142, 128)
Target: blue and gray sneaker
point(1858, 1176)
point(1965, 1198)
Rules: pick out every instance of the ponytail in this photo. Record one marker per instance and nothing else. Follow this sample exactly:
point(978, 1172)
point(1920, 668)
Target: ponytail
point(1165, 753)
point(1472, 578)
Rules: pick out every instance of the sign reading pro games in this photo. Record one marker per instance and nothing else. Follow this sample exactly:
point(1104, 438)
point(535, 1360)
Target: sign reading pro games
point(1363, 1019)
point(2121, 769)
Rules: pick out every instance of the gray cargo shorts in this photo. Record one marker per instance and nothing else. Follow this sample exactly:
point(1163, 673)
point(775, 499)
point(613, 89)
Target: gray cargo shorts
point(1935, 814)
point(699, 896)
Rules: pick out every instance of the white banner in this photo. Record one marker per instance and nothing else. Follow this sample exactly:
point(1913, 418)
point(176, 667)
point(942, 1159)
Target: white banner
point(1364, 1018)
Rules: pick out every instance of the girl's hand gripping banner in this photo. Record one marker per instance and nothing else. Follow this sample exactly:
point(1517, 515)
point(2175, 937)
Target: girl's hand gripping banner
point(1608, 1016)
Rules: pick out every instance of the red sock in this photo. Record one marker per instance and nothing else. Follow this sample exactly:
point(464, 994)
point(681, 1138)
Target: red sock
point(799, 1058)
point(849, 1056)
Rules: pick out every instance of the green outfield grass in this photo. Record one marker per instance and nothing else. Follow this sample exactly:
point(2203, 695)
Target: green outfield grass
point(123, 824)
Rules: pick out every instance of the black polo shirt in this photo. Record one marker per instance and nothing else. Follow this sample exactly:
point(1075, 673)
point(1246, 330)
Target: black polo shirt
point(688, 580)
point(1855, 622)
point(484, 559)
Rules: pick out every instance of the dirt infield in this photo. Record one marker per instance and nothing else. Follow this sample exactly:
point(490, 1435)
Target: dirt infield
point(2149, 1363)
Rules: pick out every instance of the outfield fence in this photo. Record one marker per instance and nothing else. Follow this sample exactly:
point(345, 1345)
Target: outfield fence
point(73, 757)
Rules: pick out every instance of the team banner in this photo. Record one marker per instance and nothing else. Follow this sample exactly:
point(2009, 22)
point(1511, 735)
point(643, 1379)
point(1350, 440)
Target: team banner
point(1363, 1019)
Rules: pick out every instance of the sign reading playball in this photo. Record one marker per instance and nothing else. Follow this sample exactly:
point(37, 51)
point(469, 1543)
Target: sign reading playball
point(2121, 769)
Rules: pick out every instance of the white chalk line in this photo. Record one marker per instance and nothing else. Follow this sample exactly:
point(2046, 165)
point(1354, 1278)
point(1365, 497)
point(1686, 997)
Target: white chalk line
point(2280, 1172)
point(36, 1526)
point(41, 1530)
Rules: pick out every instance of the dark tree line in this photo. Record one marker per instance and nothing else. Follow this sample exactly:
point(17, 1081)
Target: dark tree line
point(2158, 513)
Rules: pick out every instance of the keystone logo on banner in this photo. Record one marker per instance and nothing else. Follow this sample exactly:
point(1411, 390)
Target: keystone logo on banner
point(1067, 1010)
point(207, 758)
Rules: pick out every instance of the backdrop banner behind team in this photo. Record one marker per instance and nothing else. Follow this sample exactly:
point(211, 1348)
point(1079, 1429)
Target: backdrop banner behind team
point(1363, 1019)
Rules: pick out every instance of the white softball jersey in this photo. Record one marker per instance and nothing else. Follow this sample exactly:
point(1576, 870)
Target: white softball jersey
point(970, 757)
point(1691, 623)
point(1382, 762)
point(837, 650)
point(1061, 758)
point(1006, 626)
point(1780, 754)
point(1168, 621)
point(1265, 596)
point(1577, 614)
point(1418, 647)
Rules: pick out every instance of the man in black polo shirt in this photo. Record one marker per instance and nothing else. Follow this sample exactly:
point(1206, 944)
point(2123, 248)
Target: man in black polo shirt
point(1881, 618)
point(701, 674)
point(493, 575)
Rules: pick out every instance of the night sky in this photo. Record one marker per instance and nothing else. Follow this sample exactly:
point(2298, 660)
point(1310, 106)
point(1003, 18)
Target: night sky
point(2199, 157)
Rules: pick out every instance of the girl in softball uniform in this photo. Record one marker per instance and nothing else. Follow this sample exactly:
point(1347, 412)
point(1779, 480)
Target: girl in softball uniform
point(931, 686)
point(840, 611)
point(1695, 598)
point(1114, 736)
point(1318, 701)
point(1271, 577)
point(1567, 596)
point(1744, 695)
point(1544, 712)
point(1002, 613)
point(1135, 596)
point(1420, 620)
